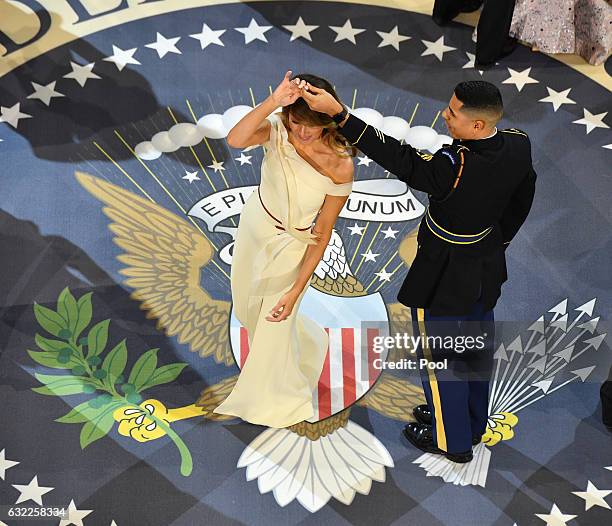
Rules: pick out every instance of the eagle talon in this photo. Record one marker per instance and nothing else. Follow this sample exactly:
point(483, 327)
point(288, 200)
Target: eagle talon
point(136, 423)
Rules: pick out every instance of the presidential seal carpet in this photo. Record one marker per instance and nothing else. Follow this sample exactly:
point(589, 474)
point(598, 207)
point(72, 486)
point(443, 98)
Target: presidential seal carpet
point(119, 204)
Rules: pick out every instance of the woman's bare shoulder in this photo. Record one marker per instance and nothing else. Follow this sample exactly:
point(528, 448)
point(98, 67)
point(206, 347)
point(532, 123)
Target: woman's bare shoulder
point(345, 170)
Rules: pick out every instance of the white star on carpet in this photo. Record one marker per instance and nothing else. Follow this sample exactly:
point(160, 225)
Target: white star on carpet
point(609, 468)
point(44, 93)
point(437, 48)
point(164, 45)
point(390, 233)
point(122, 58)
point(300, 29)
point(5, 463)
point(557, 98)
point(217, 166)
point(593, 496)
point(191, 176)
point(364, 160)
point(81, 73)
point(607, 147)
point(369, 256)
point(244, 159)
point(555, 517)
point(31, 491)
point(471, 62)
point(209, 36)
point(253, 32)
point(592, 121)
point(356, 229)
point(383, 275)
point(392, 38)
point(346, 32)
point(13, 115)
point(520, 78)
point(75, 516)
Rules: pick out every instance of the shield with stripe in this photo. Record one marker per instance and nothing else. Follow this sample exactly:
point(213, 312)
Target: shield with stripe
point(350, 368)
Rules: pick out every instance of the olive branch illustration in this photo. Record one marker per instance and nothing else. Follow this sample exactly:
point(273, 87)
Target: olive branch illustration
point(97, 371)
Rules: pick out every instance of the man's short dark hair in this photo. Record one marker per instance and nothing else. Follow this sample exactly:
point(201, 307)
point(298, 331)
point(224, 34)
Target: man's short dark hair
point(480, 96)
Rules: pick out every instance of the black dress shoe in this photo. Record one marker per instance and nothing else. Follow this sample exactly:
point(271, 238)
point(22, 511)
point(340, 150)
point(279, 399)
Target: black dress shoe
point(420, 436)
point(510, 45)
point(484, 66)
point(460, 458)
point(422, 414)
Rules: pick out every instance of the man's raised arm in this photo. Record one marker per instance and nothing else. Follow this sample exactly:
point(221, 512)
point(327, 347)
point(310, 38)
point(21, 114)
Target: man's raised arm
point(432, 174)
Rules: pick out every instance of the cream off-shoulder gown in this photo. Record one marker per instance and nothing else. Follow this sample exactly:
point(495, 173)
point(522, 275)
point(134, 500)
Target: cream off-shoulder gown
point(275, 387)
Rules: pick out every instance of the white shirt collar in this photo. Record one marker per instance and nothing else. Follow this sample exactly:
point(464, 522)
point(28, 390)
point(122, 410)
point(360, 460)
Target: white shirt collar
point(492, 135)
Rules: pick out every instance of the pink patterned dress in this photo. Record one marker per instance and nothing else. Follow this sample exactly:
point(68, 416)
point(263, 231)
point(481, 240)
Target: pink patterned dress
point(583, 27)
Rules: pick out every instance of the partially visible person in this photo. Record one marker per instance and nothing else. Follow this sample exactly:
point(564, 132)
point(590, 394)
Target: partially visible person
point(606, 402)
point(493, 41)
point(583, 27)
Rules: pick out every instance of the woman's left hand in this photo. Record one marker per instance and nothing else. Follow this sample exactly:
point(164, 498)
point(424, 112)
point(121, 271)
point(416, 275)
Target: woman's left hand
point(283, 307)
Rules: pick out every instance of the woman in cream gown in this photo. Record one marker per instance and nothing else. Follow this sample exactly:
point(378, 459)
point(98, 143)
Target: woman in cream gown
point(277, 250)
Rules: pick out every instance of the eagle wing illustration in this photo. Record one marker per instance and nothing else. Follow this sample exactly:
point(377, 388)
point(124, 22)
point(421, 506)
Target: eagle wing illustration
point(164, 255)
point(393, 397)
point(400, 322)
point(212, 397)
point(333, 274)
point(408, 246)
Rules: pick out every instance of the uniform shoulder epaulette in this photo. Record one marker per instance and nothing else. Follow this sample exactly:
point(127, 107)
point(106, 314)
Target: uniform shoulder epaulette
point(515, 131)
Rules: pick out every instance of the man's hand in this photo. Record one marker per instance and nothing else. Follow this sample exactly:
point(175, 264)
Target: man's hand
point(320, 100)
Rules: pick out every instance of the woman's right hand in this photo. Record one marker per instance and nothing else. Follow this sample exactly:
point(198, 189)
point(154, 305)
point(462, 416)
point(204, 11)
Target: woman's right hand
point(287, 92)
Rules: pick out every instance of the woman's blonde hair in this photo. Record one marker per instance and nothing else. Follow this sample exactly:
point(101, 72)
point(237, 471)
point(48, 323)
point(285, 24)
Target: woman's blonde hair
point(302, 113)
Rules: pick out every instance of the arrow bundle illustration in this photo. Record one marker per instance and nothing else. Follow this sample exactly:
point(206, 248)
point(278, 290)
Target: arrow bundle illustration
point(525, 373)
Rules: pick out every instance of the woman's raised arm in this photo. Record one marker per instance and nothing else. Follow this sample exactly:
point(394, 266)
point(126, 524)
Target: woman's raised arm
point(253, 128)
